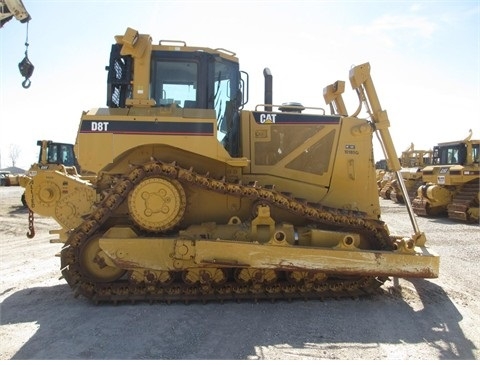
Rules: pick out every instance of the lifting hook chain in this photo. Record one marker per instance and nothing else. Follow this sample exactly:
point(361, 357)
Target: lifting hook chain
point(31, 228)
point(25, 66)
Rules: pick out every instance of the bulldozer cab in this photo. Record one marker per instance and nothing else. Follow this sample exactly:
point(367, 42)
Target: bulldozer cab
point(460, 153)
point(189, 79)
point(57, 153)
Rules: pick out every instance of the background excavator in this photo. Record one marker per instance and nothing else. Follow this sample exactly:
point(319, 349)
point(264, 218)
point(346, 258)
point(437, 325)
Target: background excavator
point(194, 198)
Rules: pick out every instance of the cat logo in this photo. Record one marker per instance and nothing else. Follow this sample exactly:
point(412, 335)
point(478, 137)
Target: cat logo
point(267, 118)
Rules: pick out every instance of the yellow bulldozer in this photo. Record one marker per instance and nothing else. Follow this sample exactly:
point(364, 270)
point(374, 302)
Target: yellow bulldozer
point(195, 198)
point(52, 156)
point(412, 161)
point(8, 179)
point(451, 184)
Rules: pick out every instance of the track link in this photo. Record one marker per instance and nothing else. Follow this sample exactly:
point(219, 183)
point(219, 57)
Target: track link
point(465, 198)
point(124, 290)
point(386, 191)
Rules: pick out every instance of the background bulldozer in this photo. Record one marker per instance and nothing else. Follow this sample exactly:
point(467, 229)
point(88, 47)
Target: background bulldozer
point(451, 184)
point(412, 162)
point(52, 156)
point(194, 198)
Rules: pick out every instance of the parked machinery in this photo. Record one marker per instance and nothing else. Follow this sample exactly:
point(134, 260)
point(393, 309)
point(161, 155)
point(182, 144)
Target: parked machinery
point(195, 198)
point(412, 162)
point(52, 156)
point(451, 184)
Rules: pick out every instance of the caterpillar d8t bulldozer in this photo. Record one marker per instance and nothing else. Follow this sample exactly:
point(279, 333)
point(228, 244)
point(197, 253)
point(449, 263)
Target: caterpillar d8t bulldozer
point(196, 199)
point(451, 184)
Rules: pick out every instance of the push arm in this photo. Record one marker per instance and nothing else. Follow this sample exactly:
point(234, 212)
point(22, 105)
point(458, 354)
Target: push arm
point(361, 81)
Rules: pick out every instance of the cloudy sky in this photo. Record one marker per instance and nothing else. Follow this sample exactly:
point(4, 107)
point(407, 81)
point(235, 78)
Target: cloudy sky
point(425, 58)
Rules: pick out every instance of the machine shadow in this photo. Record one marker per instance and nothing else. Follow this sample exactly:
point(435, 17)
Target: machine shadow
point(72, 328)
point(18, 209)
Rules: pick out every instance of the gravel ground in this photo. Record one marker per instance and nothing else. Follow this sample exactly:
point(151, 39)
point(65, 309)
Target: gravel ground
point(437, 319)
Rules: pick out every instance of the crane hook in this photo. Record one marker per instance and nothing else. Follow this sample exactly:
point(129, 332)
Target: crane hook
point(25, 66)
point(26, 70)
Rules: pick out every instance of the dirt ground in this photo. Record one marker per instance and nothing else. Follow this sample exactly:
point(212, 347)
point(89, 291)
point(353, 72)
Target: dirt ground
point(436, 319)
